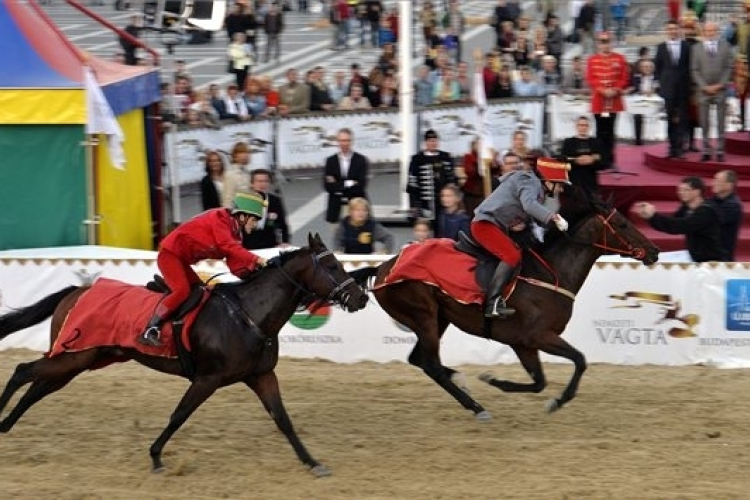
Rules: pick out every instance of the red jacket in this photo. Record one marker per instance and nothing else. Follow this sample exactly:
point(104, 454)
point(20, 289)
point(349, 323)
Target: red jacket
point(214, 234)
point(607, 71)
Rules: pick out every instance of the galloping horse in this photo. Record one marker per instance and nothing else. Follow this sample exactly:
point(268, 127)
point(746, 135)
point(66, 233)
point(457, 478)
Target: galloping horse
point(234, 339)
point(543, 299)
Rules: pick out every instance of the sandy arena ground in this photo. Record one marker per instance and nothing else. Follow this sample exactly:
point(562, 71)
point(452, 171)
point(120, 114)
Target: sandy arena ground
point(387, 432)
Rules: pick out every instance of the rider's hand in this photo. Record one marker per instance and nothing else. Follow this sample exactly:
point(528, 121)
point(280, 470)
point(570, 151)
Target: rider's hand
point(561, 223)
point(261, 263)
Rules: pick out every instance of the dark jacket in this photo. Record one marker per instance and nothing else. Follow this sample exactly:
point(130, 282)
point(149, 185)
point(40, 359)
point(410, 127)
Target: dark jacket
point(353, 239)
point(673, 78)
point(319, 96)
point(700, 227)
point(338, 194)
point(449, 225)
point(275, 229)
point(427, 176)
point(209, 195)
point(730, 217)
point(583, 175)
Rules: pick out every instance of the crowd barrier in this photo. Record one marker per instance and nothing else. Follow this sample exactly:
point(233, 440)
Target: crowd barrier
point(305, 141)
point(626, 313)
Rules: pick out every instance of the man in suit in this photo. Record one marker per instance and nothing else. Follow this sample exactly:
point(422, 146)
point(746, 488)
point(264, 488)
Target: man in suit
point(344, 176)
point(711, 66)
point(272, 230)
point(672, 71)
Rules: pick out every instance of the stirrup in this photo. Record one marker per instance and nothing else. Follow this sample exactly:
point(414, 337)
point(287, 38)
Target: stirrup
point(498, 309)
point(151, 337)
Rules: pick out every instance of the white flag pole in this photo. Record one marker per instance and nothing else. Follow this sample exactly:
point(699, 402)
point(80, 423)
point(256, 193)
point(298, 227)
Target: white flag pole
point(406, 95)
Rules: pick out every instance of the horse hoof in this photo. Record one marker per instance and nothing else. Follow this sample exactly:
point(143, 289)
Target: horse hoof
point(158, 470)
point(483, 416)
point(553, 405)
point(486, 377)
point(320, 471)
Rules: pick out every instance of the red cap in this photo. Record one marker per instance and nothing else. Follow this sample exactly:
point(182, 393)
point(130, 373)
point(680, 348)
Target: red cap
point(552, 170)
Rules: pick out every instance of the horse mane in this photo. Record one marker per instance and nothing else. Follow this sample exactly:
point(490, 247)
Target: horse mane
point(282, 258)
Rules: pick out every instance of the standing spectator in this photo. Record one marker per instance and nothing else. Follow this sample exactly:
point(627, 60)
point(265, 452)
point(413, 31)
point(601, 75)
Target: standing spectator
point(454, 22)
point(373, 14)
point(728, 205)
point(620, 15)
point(344, 176)
point(526, 86)
point(741, 40)
point(711, 66)
point(574, 82)
point(294, 97)
point(672, 70)
point(319, 98)
point(234, 22)
point(240, 59)
point(250, 28)
point(133, 29)
point(356, 101)
point(699, 7)
point(585, 156)
point(429, 171)
point(538, 48)
point(272, 230)
point(212, 185)
point(423, 87)
point(429, 20)
point(421, 231)
point(696, 219)
point(643, 83)
point(389, 27)
point(340, 21)
point(339, 88)
point(236, 178)
point(180, 70)
point(555, 38)
point(499, 18)
point(235, 107)
point(473, 183)
point(452, 219)
point(273, 25)
point(387, 60)
point(690, 29)
point(607, 75)
point(357, 233)
point(673, 9)
point(584, 26)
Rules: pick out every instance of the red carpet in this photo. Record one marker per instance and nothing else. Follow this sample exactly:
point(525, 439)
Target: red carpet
point(647, 175)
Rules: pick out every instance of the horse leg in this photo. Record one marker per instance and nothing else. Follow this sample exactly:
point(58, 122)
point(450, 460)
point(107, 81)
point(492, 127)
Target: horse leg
point(21, 376)
point(198, 392)
point(415, 358)
point(530, 360)
point(556, 346)
point(266, 386)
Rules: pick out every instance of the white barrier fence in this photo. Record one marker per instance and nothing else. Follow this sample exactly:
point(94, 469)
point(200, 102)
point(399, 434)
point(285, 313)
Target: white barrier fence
point(669, 314)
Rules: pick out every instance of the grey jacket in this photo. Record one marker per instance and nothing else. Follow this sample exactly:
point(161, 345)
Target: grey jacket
point(518, 198)
point(709, 70)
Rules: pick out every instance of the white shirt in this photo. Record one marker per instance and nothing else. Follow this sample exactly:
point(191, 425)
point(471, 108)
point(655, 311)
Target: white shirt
point(344, 162)
point(674, 49)
point(647, 84)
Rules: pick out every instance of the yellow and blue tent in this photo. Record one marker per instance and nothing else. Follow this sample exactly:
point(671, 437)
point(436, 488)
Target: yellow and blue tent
point(43, 116)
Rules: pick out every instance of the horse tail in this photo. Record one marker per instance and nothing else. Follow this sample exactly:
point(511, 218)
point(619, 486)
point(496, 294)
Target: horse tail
point(363, 274)
point(31, 315)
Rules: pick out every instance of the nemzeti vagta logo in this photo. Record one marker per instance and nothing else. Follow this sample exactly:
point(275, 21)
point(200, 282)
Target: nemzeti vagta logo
point(680, 325)
point(311, 317)
point(738, 305)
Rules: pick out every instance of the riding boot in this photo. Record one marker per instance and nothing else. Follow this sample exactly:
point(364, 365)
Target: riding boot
point(150, 336)
point(495, 305)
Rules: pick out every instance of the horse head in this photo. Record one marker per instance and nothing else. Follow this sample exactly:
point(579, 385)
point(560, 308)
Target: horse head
point(599, 224)
point(321, 274)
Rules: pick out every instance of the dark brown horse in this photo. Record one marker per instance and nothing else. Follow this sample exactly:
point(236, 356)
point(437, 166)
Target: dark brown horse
point(234, 339)
point(542, 309)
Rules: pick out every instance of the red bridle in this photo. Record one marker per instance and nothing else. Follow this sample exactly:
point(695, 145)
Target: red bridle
point(628, 250)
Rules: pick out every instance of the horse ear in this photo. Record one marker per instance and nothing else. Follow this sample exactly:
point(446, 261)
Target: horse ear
point(310, 240)
point(318, 239)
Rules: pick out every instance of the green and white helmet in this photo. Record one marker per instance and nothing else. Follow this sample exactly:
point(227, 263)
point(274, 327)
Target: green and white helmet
point(249, 203)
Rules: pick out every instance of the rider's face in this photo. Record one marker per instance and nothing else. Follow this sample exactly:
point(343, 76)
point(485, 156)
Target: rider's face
point(251, 222)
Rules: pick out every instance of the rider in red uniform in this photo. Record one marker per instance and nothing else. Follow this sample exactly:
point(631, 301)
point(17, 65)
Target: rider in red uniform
point(214, 234)
point(519, 199)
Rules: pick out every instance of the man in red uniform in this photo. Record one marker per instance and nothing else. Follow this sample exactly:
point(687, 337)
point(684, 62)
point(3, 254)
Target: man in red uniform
point(214, 234)
point(607, 76)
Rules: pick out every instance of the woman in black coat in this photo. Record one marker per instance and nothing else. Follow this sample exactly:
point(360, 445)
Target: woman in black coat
point(213, 183)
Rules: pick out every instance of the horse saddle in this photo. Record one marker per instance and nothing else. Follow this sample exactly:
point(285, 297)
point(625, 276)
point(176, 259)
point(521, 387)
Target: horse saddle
point(486, 262)
point(158, 285)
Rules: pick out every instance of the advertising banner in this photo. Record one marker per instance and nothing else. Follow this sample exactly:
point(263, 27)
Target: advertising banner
point(306, 142)
point(188, 148)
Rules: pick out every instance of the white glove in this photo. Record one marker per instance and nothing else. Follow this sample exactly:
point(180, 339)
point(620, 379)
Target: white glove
point(561, 223)
point(349, 183)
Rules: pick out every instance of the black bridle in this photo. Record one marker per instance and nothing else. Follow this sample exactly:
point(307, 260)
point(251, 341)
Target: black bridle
point(337, 294)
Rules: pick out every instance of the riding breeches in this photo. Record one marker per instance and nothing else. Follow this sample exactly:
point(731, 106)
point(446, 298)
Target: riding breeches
point(494, 240)
point(180, 278)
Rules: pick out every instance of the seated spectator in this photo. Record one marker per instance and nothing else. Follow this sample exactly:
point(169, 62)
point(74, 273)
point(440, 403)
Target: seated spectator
point(294, 96)
point(355, 101)
point(234, 106)
point(361, 79)
point(217, 101)
point(549, 77)
point(526, 86)
point(319, 98)
point(504, 86)
point(447, 89)
point(452, 218)
point(182, 96)
point(506, 41)
point(339, 88)
point(421, 231)
point(387, 96)
point(387, 60)
point(207, 115)
point(270, 93)
point(554, 38)
point(490, 74)
point(574, 82)
point(357, 233)
point(212, 185)
point(521, 52)
point(465, 83)
point(254, 98)
point(170, 112)
point(386, 33)
point(423, 87)
point(538, 48)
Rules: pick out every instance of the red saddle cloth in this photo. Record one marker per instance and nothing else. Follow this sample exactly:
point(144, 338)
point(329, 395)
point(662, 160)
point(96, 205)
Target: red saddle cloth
point(436, 262)
point(112, 313)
